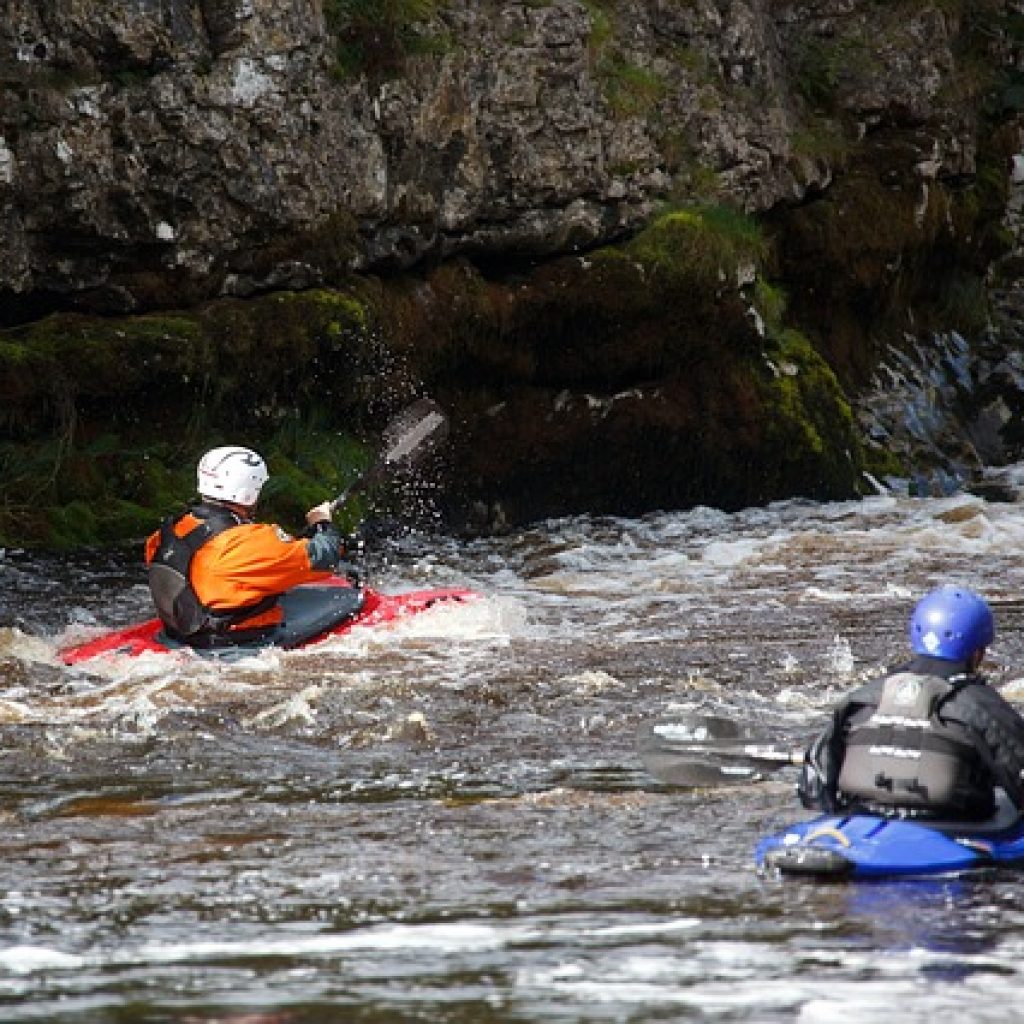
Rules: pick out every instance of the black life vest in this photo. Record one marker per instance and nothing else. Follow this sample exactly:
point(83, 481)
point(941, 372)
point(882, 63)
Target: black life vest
point(184, 616)
point(905, 756)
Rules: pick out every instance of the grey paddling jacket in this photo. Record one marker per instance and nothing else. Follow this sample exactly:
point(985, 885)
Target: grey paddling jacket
point(928, 739)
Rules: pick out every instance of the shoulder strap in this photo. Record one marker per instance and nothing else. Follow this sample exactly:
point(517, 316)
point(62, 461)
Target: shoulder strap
point(178, 552)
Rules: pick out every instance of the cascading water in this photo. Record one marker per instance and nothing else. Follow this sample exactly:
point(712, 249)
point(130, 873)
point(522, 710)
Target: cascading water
point(916, 410)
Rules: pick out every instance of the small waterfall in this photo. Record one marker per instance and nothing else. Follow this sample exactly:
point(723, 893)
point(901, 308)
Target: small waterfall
point(917, 410)
point(951, 409)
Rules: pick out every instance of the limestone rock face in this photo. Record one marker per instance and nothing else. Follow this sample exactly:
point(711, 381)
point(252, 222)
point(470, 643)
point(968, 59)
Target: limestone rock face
point(155, 152)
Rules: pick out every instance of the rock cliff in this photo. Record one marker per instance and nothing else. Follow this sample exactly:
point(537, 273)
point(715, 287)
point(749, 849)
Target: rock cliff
point(474, 174)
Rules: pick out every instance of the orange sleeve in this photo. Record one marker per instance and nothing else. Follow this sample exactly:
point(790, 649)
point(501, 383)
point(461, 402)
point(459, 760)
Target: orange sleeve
point(152, 543)
point(250, 562)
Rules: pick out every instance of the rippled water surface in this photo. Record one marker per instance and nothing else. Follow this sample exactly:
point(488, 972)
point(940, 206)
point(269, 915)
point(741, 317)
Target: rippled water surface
point(447, 820)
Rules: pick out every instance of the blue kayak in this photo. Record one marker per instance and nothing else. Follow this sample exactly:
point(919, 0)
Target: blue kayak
point(866, 846)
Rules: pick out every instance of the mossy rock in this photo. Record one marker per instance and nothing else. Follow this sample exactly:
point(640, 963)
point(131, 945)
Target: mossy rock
point(810, 426)
point(637, 369)
point(702, 245)
point(104, 419)
point(232, 357)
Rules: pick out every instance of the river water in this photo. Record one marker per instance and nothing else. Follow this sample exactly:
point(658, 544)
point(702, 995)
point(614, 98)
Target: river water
point(448, 821)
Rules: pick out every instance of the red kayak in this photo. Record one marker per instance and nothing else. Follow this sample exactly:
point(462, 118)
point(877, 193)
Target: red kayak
point(312, 612)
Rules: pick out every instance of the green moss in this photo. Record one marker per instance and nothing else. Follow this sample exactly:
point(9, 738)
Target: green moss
point(310, 462)
point(810, 425)
point(811, 442)
point(881, 462)
point(825, 65)
point(158, 476)
point(71, 525)
point(697, 62)
point(704, 245)
point(376, 37)
point(771, 302)
point(74, 390)
point(123, 519)
point(631, 90)
point(602, 26)
point(821, 139)
point(82, 354)
point(694, 181)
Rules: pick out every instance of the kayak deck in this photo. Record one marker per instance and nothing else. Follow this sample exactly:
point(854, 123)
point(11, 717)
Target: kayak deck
point(309, 611)
point(863, 845)
point(312, 612)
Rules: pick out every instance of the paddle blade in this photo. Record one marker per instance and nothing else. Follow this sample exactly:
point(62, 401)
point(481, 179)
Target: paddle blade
point(414, 433)
point(697, 770)
point(703, 751)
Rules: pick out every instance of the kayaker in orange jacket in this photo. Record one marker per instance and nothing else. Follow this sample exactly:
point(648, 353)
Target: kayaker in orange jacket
point(215, 574)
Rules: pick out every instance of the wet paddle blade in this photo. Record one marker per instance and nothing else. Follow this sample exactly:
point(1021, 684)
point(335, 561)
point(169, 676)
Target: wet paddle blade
point(417, 430)
point(708, 751)
point(411, 435)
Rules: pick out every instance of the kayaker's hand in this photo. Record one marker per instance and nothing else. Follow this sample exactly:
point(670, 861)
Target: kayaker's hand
point(319, 514)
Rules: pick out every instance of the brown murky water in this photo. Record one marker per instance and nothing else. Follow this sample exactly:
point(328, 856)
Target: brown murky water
point(448, 821)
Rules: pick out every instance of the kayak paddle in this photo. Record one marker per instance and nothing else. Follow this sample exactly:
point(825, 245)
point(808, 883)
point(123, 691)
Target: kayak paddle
point(413, 433)
point(707, 750)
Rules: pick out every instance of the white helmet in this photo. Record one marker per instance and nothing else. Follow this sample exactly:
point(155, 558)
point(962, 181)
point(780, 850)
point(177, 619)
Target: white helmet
point(232, 474)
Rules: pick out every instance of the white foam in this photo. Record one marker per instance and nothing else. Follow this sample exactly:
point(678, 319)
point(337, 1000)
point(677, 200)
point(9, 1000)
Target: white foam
point(298, 708)
point(443, 939)
point(20, 645)
point(495, 619)
point(28, 959)
point(729, 554)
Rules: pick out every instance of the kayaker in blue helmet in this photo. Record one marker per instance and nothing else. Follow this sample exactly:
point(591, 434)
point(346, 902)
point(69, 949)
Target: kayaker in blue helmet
point(931, 739)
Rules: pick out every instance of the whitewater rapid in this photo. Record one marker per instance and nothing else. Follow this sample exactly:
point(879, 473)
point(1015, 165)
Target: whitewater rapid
point(448, 820)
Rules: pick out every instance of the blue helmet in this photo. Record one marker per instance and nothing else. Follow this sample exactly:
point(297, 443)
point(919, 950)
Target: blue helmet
point(951, 623)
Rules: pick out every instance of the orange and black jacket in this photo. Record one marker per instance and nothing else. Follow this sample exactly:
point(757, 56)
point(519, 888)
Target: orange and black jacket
point(235, 569)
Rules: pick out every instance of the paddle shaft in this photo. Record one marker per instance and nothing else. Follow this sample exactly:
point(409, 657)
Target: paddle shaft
point(752, 755)
point(410, 434)
point(360, 483)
